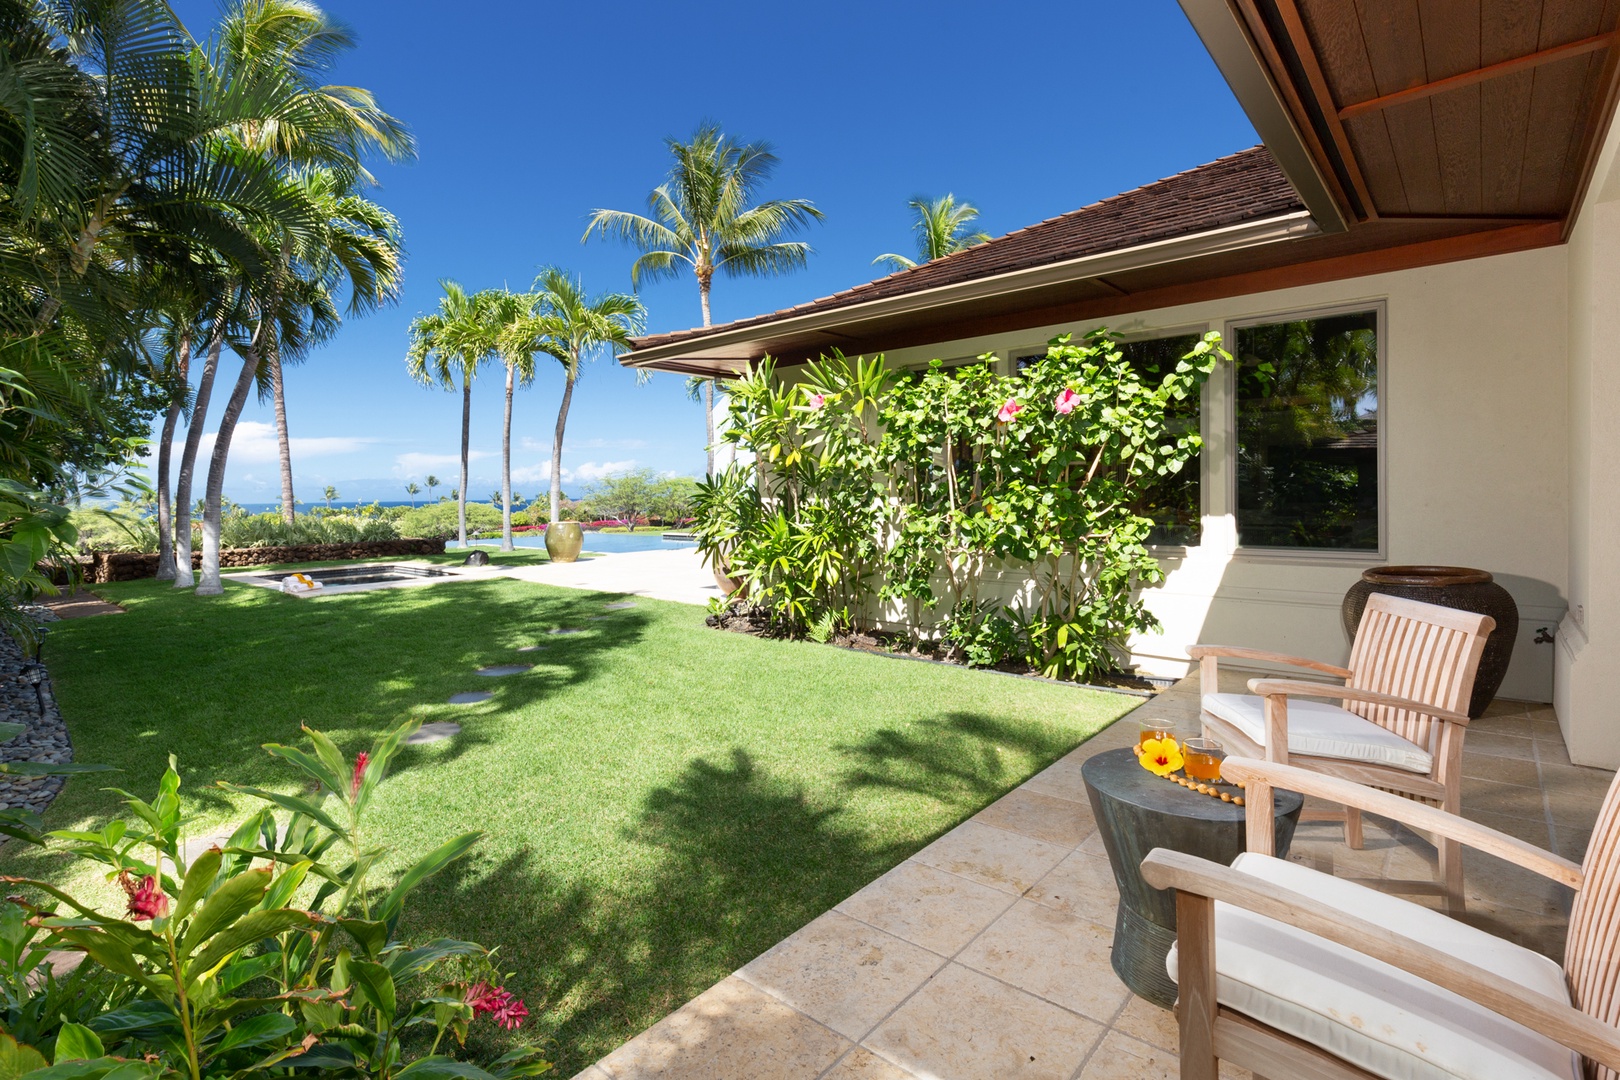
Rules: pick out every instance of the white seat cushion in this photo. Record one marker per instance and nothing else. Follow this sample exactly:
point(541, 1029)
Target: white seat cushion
point(1322, 730)
point(1367, 1012)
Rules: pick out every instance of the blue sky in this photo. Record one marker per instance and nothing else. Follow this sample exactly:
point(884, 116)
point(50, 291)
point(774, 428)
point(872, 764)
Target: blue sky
point(530, 114)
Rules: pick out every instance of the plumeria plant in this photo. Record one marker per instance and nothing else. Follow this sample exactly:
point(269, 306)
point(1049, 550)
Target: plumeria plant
point(872, 485)
point(273, 952)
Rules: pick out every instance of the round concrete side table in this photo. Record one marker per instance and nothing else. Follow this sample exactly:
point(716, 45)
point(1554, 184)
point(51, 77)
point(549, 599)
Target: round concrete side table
point(1136, 812)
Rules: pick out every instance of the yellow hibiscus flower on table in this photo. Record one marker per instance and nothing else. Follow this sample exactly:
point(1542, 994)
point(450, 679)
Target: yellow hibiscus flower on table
point(1160, 756)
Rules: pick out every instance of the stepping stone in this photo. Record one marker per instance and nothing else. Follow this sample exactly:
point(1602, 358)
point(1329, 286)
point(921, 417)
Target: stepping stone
point(437, 731)
point(470, 697)
point(530, 648)
point(621, 605)
point(597, 618)
point(566, 630)
point(503, 669)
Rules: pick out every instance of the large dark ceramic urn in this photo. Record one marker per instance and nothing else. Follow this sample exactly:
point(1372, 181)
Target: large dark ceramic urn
point(1459, 587)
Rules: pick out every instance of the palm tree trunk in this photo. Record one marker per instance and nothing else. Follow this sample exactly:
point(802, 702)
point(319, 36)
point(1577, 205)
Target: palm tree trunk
point(708, 416)
point(557, 445)
point(165, 510)
point(209, 584)
point(506, 464)
point(288, 513)
point(466, 428)
point(183, 578)
point(708, 384)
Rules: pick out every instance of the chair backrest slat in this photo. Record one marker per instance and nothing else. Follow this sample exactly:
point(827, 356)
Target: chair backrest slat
point(1590, 962)
point(1422, 652)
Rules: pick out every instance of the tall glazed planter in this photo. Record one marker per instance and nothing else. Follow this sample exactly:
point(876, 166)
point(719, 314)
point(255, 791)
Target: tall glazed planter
point(564, 539)
point(1460, 587)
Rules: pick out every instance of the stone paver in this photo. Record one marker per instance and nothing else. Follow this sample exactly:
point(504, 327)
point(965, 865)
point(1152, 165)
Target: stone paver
point(673, 574)
point(437, 731)
point(499, 670)
point(470, 697)
point(986, 954)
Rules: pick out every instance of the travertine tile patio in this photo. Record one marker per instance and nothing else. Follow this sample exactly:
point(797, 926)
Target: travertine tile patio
point(986, 954)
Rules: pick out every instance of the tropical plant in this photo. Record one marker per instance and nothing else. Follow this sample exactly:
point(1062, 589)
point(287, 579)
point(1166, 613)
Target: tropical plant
point(219, 969)
point(871, 488)
point(432, 482)
point(523, 329)
point(939, 225)
point(451, 344)
point(413, 489)
point(329, 495)
point(578, 326)
point(703, 218)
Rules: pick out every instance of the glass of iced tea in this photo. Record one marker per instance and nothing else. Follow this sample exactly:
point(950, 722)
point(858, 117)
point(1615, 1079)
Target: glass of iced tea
point(1202, 759)
point(1155, 729)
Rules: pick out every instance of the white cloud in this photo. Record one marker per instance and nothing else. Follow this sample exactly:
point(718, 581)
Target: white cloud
point(255, 441)
point(544, 445)
point(596, 470)
point(414, 464)
point(538, 474)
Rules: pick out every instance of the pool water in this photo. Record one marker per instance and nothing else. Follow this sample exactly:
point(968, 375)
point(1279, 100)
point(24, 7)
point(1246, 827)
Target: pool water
point(603, 543)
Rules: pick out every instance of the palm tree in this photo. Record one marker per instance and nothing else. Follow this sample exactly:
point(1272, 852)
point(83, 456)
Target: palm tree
point(343, 237)
point(939, 232)
point(447, 345)
point(413, 490)
point(330, 494)
point(523, 329)
point(579, 326)
point(432, 482)
point(289, 43)
point(701, 218)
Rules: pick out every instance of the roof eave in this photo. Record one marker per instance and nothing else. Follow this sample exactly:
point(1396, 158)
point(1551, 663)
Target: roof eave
point(682, 355)
point(1233, 49)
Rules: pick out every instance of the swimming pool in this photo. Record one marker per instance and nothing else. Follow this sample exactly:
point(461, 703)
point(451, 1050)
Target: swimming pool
point(600, 542)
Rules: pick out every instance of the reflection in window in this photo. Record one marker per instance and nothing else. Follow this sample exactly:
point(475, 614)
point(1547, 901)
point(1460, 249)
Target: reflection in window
point(1173, 502)
point(1307, 430)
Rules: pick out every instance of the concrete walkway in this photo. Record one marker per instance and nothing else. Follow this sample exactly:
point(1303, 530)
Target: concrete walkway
point(986, 954)
point(676, 575)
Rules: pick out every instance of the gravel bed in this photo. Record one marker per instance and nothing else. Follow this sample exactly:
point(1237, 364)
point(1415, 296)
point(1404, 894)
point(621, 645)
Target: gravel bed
point(26, 698)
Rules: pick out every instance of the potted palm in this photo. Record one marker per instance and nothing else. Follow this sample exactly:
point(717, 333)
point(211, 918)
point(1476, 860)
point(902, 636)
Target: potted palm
point(725, 507)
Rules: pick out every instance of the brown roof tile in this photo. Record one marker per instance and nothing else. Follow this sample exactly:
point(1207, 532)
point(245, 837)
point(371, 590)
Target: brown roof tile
point(1242, 187)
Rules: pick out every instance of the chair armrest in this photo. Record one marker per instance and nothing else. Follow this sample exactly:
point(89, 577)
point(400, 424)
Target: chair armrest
point(1301, 688)
point(1239, 652)
point(1558, 1020)
point(1408, 812)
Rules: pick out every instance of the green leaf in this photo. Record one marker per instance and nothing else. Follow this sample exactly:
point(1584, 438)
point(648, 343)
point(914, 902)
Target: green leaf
point(75, 1042)
point(413, 961)
point(429, 865)
point(376, 986)
point(253, 928)
point(327, 778)
point(199, 878)
point(11, 731)
point(290, 802)
point(442, 1068)
point(16, 1059)
point(233, 899)
point(372, 937)
point(256, 1031)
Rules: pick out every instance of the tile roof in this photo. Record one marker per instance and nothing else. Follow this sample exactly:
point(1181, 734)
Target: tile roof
point(1245, 186)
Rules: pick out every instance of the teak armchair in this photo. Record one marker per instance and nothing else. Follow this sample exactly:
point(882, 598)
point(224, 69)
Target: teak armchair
point(1290, 972)
point(1398, 723)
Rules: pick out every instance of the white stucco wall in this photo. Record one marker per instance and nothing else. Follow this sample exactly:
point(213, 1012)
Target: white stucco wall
point(1474, 403)
point(1588, 654)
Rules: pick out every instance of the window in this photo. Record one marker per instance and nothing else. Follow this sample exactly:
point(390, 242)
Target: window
point(1307, 433)
point(1174, 502)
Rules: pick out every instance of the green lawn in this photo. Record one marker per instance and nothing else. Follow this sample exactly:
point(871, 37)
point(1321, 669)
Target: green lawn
point(662, 802)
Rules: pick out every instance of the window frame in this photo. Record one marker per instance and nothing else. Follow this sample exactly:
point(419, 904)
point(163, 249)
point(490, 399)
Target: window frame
point(1380, 309)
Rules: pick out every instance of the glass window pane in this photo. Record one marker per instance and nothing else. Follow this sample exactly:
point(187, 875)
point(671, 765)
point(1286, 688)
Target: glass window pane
point(1307, 428)
point(1173, 502)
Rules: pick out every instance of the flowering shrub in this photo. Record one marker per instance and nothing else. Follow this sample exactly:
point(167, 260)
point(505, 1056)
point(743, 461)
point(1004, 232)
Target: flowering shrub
point(217, 966)
point(871, 486)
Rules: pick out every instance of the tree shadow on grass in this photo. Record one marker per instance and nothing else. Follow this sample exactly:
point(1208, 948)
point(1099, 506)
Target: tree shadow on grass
point(733, 860)
point(211, 680)
point(963, 760)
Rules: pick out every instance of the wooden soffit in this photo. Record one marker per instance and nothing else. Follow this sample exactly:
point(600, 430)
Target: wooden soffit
point(1478, 112)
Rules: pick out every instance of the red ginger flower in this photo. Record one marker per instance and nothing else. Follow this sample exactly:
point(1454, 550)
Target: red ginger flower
point(502, 1006)
point(146, 900)
point(361, 760)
